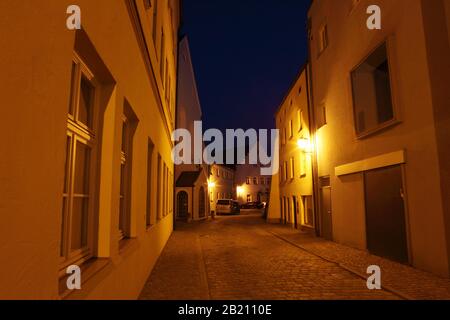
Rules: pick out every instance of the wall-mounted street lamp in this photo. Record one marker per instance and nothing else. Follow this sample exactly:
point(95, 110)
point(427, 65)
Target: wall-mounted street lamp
point(239, 191)
point(305, 145)
point(211, 185)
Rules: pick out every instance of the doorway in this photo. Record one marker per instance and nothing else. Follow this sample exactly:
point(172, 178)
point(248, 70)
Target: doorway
point(201, 204)
point(182, 205)
point(385, 213)
point(326, 217)
point(295, 207)
point(326, 214)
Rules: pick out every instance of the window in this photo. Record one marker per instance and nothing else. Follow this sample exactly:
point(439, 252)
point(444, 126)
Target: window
point(149, 183)
point(128, 129)
point(372, 100)
point(308, 213)
point(78, 213)
point(323, 38)
point(292, 167)
point(155, 20)
point(249, 198)
point(163, 60)
point(300, 120)
point(269, 181)
point(285, 171)
point(291, 129)
point(321, 115)
point(158, 189)
point(248, 180)
point(255, 181)
point(166, 190)
point(147, 4)
point(302, 165)
point(262, 181)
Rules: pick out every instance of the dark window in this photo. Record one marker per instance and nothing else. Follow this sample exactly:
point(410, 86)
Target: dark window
point(372, 99)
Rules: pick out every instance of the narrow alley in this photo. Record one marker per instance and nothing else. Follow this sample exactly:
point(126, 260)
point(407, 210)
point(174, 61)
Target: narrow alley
point(242, 257)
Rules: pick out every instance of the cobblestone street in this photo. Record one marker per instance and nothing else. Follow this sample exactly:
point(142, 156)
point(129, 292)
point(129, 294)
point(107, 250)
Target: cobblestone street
point(244, 258)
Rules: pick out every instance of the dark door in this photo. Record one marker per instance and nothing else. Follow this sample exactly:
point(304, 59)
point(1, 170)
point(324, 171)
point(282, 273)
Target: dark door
point(385, 214)
point(182, 205)
point(326, 214)
point(294, 202)
point(201, 203)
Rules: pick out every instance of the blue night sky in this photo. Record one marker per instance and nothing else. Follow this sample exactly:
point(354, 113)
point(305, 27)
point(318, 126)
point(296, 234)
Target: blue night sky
point(246, 53)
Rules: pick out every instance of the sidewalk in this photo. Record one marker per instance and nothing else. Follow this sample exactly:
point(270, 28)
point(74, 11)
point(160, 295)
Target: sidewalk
point(180, 271)
point(402, 280)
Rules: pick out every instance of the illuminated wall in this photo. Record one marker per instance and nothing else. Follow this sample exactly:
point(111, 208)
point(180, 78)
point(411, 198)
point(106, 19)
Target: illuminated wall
point(414, 51)
point(295, 190)
point(126, 62)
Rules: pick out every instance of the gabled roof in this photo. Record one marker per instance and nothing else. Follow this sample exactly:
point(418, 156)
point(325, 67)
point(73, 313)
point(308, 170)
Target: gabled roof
point(187, 179)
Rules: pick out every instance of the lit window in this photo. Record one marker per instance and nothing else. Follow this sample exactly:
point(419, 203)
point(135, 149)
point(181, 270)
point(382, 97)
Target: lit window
point(255, 181)
point(248, 180)
point(372, 99)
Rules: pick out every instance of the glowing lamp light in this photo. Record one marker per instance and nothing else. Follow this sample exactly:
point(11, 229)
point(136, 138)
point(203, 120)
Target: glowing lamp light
point(239, 190)
point(211, 185)
point(305, 145)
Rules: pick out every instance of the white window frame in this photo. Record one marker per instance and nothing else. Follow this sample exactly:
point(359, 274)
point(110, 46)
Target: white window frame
point(79, 133)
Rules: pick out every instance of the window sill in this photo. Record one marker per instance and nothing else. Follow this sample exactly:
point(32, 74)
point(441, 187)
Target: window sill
point(90, 272)
point(379, 129)
point(127, 245)
point(307, 227)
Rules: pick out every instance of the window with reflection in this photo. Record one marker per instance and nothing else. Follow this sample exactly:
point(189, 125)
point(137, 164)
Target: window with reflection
point(77, 238)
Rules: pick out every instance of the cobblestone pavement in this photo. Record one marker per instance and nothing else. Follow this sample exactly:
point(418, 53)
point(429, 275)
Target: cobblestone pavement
point(408, 282)
point(243, 258)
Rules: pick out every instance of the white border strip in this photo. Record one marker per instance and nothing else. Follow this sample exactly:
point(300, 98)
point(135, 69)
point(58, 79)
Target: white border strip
point(385, 160)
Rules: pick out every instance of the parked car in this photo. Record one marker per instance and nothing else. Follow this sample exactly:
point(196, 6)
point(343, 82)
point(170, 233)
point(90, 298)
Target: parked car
point(253, 205)
point(226, 206)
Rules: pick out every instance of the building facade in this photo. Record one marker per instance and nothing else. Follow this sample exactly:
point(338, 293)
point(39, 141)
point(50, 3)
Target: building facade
point(88, 180)
point(295, 179)
point(381, 113)
point(251, 186)
point(191, 180)
point(221, 184)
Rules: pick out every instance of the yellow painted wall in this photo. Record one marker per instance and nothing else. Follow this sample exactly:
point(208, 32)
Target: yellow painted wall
point(301, 185)
point(35, 81)
point(350, 42)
